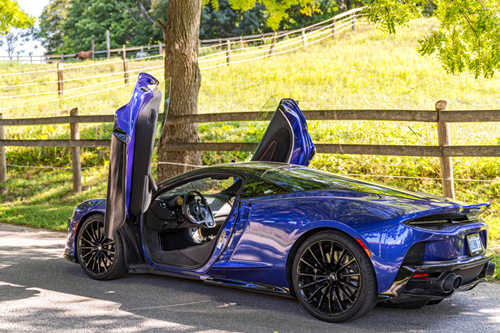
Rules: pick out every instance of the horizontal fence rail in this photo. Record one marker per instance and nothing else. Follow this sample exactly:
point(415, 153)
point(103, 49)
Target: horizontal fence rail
point(209, 42)
point(441, 116)
point(361, 115)
point(145, 50)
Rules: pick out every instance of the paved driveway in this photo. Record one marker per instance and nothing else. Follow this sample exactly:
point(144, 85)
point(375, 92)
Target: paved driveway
point(41, 291)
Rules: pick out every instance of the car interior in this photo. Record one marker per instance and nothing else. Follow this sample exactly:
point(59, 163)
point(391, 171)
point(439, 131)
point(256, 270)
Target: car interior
point(183, 222)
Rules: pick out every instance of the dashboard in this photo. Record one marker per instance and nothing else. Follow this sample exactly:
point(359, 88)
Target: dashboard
point(167, 212)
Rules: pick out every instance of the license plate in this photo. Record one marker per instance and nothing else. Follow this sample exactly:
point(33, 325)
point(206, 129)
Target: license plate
point(475, 245)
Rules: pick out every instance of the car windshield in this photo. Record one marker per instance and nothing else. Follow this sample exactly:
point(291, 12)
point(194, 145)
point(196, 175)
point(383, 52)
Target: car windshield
point(296, 179)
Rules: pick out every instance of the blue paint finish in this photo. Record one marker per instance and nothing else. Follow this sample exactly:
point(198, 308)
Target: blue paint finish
point(390, 245)
point(303, 149)
point(256, 241)
point(84, 209)
point(126, 118)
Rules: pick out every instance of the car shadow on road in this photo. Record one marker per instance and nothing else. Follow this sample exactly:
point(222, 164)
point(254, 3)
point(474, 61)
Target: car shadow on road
point(59, 295)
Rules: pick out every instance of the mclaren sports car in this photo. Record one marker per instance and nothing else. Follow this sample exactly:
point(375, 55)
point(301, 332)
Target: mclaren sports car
point(338, 245)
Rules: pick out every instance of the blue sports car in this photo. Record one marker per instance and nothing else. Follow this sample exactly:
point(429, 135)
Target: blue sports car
point(337, 244)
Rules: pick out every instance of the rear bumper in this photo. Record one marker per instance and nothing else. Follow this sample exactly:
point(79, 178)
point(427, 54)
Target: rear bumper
point(425, 282)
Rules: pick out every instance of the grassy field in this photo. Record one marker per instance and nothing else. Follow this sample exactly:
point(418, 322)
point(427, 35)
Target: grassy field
point(358, 70)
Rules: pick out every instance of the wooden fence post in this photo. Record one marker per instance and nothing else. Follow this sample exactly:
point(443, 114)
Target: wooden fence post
point(31, 60)
point(160, 49)
point(92, 48)
point(334, 28)
point(228, 54)
point(3, 163)
point(446, 162)
point(60, 80)
point(124, 52)
point(272, 44)
point(353, 22)
point(62, 57)
point(220, 44)
point(107, 44)
point(75, 154)
point(242, 41)
point(304, 37)
point(125, 70)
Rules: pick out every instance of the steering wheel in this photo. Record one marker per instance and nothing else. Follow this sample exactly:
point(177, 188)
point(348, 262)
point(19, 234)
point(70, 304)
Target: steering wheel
point(196, 209)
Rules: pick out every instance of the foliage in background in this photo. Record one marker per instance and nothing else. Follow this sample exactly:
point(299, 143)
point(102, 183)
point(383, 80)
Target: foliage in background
point(15, 25)
point(12, 40)
point(12, 16)
point(227, 22)
point(68, 26)
point(50, 31)
point(87, 20)
point(468, 34)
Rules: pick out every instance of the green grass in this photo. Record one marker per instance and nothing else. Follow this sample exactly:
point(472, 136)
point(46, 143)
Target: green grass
point(358, 70)
point(496, 260)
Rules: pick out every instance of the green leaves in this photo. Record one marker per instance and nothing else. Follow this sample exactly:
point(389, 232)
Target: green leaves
point(275, 11)
point(468, 39)
point(50, 29)
point(12, 16)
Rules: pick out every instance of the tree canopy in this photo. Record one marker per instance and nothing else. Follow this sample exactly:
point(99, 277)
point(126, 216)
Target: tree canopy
point(68, 26)
point(468, 38)
point(12, 16)
point(49, 31)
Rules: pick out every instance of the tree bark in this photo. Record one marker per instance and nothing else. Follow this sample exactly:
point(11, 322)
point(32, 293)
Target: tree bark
point(181, 36)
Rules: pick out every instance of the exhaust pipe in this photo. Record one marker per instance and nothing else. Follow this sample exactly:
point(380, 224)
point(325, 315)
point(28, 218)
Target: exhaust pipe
point(490, 269)
point(448, 283)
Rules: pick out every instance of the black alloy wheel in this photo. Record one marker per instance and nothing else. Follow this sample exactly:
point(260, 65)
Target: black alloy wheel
point(101, 258)
point(333, 277)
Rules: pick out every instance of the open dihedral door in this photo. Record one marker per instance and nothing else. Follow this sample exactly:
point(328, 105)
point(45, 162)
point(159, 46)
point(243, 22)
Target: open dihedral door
point(130, 183)
point(286, 139)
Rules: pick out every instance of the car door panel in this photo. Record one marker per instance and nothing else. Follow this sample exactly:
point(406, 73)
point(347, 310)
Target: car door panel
point(129, 181)
point(286, 139)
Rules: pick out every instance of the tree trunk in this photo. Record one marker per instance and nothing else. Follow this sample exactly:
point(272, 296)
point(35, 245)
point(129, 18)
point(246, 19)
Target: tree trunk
point(181, 36)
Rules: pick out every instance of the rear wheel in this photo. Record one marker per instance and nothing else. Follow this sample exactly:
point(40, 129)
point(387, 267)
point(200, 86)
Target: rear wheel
point(101, 258)
point(333, 277)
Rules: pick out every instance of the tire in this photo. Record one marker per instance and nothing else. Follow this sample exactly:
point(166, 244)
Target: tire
point(333, 277)
point(100, 258)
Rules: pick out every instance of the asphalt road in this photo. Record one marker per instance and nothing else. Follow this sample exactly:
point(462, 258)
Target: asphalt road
point(41, 291)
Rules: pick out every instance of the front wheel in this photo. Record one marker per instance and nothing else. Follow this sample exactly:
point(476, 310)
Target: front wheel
point(333, 277)
point(101, 258)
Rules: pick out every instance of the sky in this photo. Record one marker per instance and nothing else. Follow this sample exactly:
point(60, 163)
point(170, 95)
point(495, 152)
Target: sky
point(34, 8)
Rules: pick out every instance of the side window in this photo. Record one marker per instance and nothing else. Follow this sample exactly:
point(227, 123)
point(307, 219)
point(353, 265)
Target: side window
point(256, 187)
point(210, 185)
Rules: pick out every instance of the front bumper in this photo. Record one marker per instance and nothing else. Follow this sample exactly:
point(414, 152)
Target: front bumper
point(425, 282)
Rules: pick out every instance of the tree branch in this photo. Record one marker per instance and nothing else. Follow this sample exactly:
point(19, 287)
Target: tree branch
point(131, 9)
point(144, 11)
point(161, 24)
point(473, 30)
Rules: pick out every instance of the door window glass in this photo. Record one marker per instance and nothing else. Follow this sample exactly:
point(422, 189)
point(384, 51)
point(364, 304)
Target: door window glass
point(257, 187)
point(210, 185)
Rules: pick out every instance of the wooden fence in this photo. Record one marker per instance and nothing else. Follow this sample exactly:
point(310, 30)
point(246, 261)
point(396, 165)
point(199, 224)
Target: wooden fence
point(444, 150)
point(219, 43)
